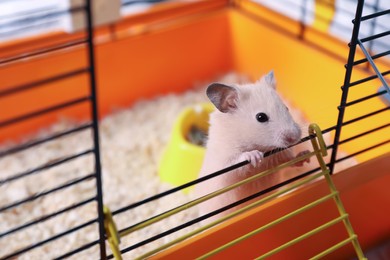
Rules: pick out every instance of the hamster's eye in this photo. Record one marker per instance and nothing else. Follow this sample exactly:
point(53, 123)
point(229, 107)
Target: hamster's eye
point(262, 117)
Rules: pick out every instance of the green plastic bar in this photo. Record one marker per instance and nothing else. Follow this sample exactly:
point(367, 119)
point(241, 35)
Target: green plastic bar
point(347, 223)
point(319, 150)
point(304, 236)
point(212, 195)
point(269, 225)
point(334, 248)
point(233, 214)
point(318, 144)
point(112, 233)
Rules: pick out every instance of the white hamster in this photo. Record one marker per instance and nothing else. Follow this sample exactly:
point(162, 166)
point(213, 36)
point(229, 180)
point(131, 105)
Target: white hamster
point(250, 120)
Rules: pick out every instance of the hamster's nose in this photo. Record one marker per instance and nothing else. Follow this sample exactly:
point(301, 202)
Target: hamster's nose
point(291, 138)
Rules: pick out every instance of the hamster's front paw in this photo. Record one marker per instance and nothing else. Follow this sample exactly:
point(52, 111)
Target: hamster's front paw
point(253, 157)
point(302, 153)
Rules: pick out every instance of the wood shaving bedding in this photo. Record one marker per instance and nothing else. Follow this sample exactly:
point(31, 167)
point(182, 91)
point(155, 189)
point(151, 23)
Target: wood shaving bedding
point(132, 142)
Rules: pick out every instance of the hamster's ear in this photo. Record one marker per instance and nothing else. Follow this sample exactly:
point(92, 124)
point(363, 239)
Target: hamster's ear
point(269, 79)
point(224, 98)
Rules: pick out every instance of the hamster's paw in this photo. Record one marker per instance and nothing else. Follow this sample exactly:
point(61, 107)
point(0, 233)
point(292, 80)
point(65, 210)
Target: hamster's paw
point(253, 157)
point(301, 163)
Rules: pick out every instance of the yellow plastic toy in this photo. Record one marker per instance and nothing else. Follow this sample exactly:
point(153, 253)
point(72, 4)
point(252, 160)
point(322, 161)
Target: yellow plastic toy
point(182, 159)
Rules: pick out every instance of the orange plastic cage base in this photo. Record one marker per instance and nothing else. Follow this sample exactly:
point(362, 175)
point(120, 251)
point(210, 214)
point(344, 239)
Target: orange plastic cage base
point(214, 39)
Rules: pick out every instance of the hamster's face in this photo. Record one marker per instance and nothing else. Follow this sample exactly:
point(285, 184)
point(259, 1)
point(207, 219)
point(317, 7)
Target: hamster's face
point(253, 116)
point(264, 120)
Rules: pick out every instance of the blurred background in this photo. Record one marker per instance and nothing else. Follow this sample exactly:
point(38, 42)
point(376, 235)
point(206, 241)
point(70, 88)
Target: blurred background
point(22, 18)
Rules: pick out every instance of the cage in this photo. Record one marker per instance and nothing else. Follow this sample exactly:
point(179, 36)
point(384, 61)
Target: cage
point(166, 49)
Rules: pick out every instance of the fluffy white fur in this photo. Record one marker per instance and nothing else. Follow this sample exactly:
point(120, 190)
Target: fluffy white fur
point(235, 136)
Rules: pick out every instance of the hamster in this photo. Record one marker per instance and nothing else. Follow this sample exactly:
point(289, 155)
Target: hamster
point(249, 120)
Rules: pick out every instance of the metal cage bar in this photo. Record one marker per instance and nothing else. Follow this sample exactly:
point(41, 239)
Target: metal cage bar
point(347, 79)
point(34, 53)
point(319, 151)
point(33, 143)
point(50, 239)
point(95, 127)
point(91, 98)
point(357, 41)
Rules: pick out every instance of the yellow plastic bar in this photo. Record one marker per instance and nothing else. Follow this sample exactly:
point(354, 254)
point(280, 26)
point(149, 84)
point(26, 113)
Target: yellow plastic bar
point(112, 233)
point(334, 248)
point(212, 195)
point(324, 13)
point(269, 225)
point(304, 236)
point(314, 129)
point(233, 214)
point(346, 221)
point(319, 150)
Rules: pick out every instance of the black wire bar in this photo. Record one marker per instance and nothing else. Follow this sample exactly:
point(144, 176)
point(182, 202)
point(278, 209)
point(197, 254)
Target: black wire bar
point(130, 2)
point(42, 16)
point(204, 178)
point(374, 57)
point(45, 50)
point(254, 195)
point(375, 68)
point(181, 187)
point(209, 196)
point(364, 150)
point(370, 5)
point(216, 193)
point(45, 166)
point(365, 116)
point(361, 151)
point(50, 239)
point(91, 98)
point(78, 250)
point(44, 111)
point(358, 82)
point(25, 13)
point(373, 27)
point(95, 126)
point(43, 24)
point(47, 217)
point(158, 236)
point(237, 203)
point(44, 140)
point(365, 98)
point(347, 81)
point(374, 15)
point(47, 192)
point(375, 36)
point(304, 9)
point(220, 210)
point(240, 164)
point(209, 176)
point(35, 84)
point(364, 133)
point(383, 44)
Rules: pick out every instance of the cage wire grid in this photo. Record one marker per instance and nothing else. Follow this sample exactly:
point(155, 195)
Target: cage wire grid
point(333, 161)
point(356, 41)
point(320, 150)
point(337, 128)
point(87, 43)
